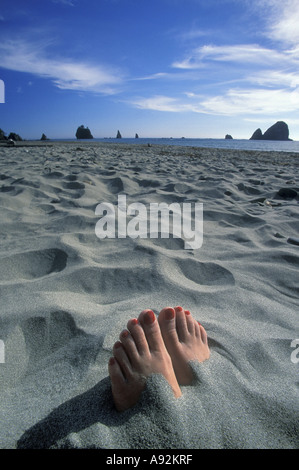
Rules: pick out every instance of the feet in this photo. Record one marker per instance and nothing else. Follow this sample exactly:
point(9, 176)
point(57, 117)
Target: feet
point(149, 346)
point(185, 340)
point(139, 353)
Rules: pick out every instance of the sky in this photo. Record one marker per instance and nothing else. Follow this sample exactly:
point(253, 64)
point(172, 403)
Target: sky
point(159, 68)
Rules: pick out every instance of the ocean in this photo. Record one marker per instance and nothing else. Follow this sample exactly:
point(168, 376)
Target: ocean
point(236, 144)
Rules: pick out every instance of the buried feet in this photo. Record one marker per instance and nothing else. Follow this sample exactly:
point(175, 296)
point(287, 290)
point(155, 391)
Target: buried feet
point(150, 347)
point(139, 353)
point(185, 340)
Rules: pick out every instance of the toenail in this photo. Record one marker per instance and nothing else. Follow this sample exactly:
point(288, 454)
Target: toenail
point(118, 345)
point(134, 321)
point(199, 323)
point(187, 312)
point(125, 333)
point(111, 361)
point(149, 317)
point(169, 313)
point(179, 308)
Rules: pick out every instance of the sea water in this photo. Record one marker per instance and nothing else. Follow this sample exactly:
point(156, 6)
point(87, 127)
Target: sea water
point(236, 144)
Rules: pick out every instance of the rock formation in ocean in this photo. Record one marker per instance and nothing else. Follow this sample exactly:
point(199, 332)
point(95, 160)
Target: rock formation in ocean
point(12, 136)
point(44, 137)
point(228, 137)
point(136, 136)
point(15, 137)
point(83, 133)
point(278, 131)
point(118, 135)
point(257, 135)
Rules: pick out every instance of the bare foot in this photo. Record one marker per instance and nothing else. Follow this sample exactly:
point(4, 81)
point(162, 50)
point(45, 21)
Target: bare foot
point(185, 339)
point(139, 353)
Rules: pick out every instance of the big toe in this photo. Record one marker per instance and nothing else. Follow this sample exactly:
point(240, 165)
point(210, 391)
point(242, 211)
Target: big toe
point(149, 323)
point(167, 324)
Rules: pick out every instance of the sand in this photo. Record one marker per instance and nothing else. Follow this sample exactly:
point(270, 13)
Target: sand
point(66, 295)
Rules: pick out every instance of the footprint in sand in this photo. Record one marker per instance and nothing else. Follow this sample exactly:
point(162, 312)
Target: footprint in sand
point(44, 335)
point(72, 183)
point(32, 264)
point(32, 340)
point(204, 274)
point(115, 185)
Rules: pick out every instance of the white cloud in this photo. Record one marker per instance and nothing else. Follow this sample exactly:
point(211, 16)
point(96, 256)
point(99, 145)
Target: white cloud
point(65, 73)
point(164, 103)
point(235, 102)
point(251, 101)
point(274, 78)
point(283, 20)
point(240, 53)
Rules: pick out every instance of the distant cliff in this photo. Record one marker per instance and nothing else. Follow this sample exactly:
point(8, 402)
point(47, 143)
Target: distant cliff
point(83, 133)
point(278, 131)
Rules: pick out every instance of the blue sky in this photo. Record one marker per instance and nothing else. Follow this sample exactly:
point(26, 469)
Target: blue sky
point(161, 68)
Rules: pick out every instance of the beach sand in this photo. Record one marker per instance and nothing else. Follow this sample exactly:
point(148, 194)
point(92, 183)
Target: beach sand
point(66, 295)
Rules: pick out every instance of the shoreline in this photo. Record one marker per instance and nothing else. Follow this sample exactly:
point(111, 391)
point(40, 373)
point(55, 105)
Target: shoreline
point(146, 143)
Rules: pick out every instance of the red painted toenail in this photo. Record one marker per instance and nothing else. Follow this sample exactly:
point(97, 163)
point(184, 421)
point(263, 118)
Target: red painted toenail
point(149, 317)
point(134, 321)
point(169, 313)
point(199, 323)
point(187, 312)
point(118, 345)
point(125, 333)
point(111, 361)
point(179, 308)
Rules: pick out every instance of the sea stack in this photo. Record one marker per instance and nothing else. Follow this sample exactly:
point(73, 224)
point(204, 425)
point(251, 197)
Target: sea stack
point(257, 135)
point(83, 133)
point(228, 137)
point(118, 135)
point(278, 131)
point(15, 137)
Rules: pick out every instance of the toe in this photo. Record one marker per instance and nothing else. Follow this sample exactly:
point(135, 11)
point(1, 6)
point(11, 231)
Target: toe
point(130, 347)
point(181, 324)
point(190, 322)
point(122, 359)
point(167, 324)
point(151, 330)
point(203, 334)
point(115, 373)
point(138, 335)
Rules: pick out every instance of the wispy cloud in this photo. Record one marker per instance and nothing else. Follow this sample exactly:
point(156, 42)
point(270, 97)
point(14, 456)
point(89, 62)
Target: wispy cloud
point(283, 20)
point(66, 74)
point(242, 54)
point(234, 102)
point(164, 103)
point(252, 101)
